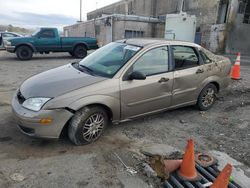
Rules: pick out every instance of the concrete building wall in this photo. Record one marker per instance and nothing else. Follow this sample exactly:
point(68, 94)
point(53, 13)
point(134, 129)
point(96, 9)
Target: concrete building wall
point(113, 28)
point(238, 39)
point(237, 32)
point(83, 29)
point(164, 7)
point(206, 15)
point(218, 21)
point(205, 12)
point(130, 7)
point(121, 26)
point(115, 8)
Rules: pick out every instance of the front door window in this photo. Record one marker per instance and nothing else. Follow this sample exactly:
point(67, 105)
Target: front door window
point(153, 62)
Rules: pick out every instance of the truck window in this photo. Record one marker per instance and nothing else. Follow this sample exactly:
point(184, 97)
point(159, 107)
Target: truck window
point(47, 34)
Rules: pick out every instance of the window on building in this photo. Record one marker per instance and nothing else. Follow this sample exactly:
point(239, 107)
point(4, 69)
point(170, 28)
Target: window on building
point(246, 18)
point(133, 34)
point(222, 13)
point(242, 6)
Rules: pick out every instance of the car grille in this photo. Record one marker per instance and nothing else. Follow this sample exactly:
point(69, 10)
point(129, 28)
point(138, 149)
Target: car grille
point(20, 97)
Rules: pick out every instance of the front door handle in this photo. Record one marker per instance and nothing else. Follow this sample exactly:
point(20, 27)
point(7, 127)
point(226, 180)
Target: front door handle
point(163, 80)
point(199, 71)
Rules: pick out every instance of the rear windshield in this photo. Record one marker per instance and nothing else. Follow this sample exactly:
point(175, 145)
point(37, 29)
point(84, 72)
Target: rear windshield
point(108, 60)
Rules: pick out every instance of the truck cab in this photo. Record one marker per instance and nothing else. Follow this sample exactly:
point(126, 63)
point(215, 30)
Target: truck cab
point(46, 40)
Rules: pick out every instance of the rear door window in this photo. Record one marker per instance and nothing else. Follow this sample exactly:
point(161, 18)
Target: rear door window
point(184, 57)
point(205, 58)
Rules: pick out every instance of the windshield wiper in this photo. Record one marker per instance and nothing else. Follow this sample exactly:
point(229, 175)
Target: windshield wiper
point(86, 69)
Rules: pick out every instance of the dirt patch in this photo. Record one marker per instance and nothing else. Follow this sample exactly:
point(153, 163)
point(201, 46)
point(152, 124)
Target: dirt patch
point(5, 139)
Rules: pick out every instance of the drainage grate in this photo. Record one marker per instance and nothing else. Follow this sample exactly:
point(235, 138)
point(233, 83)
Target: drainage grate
point(207, 174)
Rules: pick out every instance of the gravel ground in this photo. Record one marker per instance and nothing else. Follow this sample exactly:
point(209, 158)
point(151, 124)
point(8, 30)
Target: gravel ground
point(43, 163)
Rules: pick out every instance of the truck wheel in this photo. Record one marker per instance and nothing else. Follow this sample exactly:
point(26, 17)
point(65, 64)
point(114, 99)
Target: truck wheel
point(207, 97)
point(80, 51)
point(87, 125)
point(24, 53)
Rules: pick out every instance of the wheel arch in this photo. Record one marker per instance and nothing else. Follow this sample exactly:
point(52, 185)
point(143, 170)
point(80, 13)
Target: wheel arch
point(80, 44)
point(25, 44)
point(105, 107)
point(210, 80)
point(217, 85)
point(110, 103)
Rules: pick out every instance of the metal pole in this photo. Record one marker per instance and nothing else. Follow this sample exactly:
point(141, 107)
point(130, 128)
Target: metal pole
point(182, 2)
point(80, 10)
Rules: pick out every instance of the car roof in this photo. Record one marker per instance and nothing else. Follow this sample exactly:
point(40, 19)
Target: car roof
point(143, 42)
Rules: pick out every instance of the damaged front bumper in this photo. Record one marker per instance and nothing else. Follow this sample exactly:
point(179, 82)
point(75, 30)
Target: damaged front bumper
point(31, 123)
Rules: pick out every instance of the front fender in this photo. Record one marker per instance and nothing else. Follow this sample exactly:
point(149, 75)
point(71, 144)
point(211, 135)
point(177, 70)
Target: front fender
point(111, 102)
point(26, 44)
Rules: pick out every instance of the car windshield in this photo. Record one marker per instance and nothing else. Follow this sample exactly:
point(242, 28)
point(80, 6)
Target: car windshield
point(35, 33)
point(108, 60)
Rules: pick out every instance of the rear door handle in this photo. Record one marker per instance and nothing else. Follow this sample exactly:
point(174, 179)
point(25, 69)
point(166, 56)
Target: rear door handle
point(163, 80)
point(199, 71)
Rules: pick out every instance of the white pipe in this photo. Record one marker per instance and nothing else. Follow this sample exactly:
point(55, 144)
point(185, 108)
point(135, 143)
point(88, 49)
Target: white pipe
point(182, 2)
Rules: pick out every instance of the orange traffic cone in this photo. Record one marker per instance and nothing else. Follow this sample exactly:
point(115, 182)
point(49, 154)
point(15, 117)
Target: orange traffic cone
point(223, 178)
point(235, 72)
point(187, 170)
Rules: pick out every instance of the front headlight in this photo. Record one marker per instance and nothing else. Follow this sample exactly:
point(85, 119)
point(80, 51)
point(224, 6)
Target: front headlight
point(35, 104)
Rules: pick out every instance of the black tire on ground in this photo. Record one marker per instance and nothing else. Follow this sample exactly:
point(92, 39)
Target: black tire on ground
point(71, 53)
point(207, 97)
point(87, 125)
point(24, 53)
point(80, 51)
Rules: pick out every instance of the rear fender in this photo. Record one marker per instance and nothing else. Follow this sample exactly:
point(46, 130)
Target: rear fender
point(81, 43)
point(211, 79)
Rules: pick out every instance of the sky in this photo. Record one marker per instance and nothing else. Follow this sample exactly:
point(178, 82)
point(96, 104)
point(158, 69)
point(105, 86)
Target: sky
point(46, 13)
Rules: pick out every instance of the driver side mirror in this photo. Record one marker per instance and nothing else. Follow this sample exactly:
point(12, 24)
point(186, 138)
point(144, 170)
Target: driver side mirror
point(137, 76)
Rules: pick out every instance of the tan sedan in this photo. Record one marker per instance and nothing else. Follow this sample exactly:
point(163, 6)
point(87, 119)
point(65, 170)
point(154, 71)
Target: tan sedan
point(120, 81)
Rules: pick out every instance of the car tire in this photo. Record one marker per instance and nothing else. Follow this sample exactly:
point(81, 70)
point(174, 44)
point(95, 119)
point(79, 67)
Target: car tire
point(87, 125)
point(207, 97)
point(24, 53)
point(80, 52)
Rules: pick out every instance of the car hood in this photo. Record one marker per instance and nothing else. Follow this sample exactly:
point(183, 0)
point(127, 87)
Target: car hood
point(56, 82)
point(20, 39)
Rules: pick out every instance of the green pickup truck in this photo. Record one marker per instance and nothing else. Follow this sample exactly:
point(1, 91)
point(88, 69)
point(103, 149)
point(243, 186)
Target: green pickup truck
point(47, 40)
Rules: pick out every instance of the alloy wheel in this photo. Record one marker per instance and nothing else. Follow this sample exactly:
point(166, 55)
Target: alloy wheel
point(93, 127)
point(208, 97)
